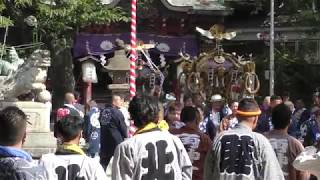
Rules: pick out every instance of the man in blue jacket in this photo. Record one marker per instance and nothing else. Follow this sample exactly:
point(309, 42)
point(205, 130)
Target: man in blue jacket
point(92, 129)
point(113, 130)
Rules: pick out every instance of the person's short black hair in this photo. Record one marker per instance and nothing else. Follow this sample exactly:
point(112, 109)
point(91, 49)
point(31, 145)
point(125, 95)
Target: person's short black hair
point(281, 115)
point(76, 95)
point(275, 97)
point(188, 114)
point(13, 123)
point(144, 109)
point(69, 127)
point(248, 105)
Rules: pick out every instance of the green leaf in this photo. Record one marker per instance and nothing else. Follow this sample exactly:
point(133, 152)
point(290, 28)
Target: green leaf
point(4, 21)
point(23, 3)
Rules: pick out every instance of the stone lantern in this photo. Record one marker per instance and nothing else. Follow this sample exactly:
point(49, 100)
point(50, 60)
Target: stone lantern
point(118, 69)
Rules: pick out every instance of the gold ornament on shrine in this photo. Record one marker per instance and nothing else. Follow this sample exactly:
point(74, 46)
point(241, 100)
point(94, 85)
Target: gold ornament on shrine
point(218, 72)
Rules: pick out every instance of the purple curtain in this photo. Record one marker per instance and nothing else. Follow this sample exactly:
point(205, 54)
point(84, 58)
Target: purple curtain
point(96, 44)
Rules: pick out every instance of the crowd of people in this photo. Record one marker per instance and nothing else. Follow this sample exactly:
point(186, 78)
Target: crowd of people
point(195, 139)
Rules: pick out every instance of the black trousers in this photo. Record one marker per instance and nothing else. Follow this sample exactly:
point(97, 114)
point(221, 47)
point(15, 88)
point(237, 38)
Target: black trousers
point(104, 160)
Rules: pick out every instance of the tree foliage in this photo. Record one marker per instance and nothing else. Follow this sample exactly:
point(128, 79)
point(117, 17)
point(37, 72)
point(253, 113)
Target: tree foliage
point(71, 15)
point(4, 21)
point(293, 72)
point(295, 12)
point(59, 18)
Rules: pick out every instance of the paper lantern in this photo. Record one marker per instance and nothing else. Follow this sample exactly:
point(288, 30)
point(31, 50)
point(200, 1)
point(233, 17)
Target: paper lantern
point(89, 72)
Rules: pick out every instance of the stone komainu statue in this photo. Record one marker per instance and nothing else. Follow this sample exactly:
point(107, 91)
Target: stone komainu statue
point(31, 76)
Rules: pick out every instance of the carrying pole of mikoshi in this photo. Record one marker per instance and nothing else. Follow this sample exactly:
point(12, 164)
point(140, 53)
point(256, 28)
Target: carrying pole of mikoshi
point(133, 54)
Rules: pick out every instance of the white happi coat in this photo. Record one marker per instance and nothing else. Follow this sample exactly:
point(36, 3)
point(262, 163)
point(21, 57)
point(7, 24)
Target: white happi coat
point(60, 167)
point(240, 154)
point(151, 155)
point(309, 160)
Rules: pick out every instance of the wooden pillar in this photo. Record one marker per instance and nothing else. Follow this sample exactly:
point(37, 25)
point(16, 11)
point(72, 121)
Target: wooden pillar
point(87, 92)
